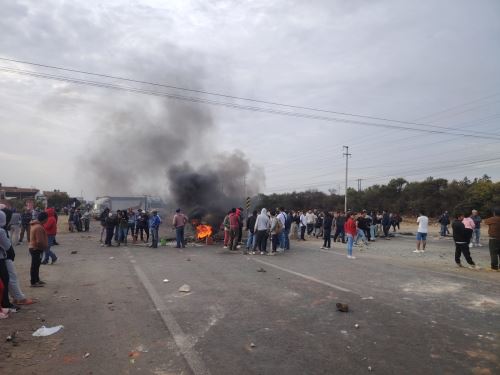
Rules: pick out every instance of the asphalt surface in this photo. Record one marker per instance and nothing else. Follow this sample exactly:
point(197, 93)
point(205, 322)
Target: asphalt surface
point(408, 314)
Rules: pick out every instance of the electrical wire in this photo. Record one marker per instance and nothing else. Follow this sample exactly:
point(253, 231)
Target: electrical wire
point(235, 97)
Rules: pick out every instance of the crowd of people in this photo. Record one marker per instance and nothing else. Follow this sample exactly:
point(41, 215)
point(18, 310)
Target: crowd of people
point(40, 228)
point(278, 226)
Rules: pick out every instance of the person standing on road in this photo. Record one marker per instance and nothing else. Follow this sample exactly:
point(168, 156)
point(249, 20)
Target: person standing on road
point(327, 230)
point(122, 227)
point(39, 243)
point(350, 231)
point(15, 226)
point(303, 226)
point(110, 227)
point(461, 236)
point(261, 228)
point(469, 227)
point(179, 222)
point(444, 220)
point(493, 224)
point(287, 229)
point(25, 225)
point(234, 228)
point(131, 223)
point(86, 220)
point(386, 224)
point(251, 231)
point(362, 226)
point(4, 273)
point(154, 226)
point(102, 218)
point(275, 228)
point(310, 219)
point(339, 227)
point(282, 218)
point(477, 230)
point(423, 227)
point(50, 227)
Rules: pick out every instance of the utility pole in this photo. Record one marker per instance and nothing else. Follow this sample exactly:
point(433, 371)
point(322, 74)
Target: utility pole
point(347, 155)
point(359, 184)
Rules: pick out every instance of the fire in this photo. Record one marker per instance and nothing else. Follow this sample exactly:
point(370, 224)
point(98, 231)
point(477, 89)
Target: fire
point(203, 231)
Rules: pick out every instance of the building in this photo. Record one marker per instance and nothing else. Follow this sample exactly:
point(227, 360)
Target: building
point(13, 192)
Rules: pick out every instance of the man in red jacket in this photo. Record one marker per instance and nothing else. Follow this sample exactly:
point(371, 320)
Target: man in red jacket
point(50, 227)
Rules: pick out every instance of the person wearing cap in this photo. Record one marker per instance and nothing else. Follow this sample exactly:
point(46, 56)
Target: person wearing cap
point(154, 226)
point(38, 244)
point(179, 222)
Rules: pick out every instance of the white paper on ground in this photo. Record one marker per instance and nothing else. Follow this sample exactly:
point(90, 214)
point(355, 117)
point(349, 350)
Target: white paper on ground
point(44, 331)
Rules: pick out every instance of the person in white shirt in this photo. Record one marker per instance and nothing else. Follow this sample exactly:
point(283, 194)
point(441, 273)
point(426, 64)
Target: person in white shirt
point(423, 228)
point(303, 225)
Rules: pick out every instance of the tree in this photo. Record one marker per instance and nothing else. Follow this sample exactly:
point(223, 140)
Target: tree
point(58, 200)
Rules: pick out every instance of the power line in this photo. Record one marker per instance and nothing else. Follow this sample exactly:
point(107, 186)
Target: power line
point(233, 105)
point(235, 97)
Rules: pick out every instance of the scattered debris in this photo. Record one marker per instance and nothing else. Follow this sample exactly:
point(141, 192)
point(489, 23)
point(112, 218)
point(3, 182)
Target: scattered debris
point(344, 332)
point(370, 368)
point(261, 270)
point(11, 337)
point(188, 259)
point(252, 345)
point(343, 307)
point(44, 331)
point(86, 355)
point(141, 349)
point(165, 280)
point(74, 252)
point(185, 288)
point(134, 354)
point(367, 297)
point(111, 257)
point(356, 325)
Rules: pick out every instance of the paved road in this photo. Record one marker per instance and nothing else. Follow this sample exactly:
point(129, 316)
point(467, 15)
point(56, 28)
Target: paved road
point(414, 316)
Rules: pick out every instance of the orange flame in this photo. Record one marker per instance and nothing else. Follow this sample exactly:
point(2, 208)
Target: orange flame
point(203, 231)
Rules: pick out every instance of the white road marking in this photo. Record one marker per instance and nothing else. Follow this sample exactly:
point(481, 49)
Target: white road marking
point(183, 341)
point(310, 278)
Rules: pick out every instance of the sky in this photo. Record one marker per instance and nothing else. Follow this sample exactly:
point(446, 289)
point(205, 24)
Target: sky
point(432, 65)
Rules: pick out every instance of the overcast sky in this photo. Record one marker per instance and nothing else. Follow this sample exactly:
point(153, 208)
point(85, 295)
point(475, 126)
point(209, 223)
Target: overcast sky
point(432, 62)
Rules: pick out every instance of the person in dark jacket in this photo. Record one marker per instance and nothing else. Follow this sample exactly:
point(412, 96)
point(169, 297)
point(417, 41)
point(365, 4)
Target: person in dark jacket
point(110, 227)
point(462, 237)
point(327, 230)
point(251, 231)
point(386, 224)
point(102, 219)
point(25, 225)
point(339, 225)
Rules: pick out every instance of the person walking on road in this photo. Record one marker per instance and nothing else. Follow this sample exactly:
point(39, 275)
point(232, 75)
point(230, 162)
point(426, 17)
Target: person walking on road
point(179, 222)
point(15, 227)
point(423, 228)
point(50, 227)
point(350, 231)
point(461, 236)
point(493, 224)
point(110, 227)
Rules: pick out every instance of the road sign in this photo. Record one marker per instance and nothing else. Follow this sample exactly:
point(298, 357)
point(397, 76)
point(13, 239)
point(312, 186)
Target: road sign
point(248, 203)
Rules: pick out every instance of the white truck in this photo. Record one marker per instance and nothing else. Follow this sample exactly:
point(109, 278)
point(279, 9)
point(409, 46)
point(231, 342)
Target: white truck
point(120, 203)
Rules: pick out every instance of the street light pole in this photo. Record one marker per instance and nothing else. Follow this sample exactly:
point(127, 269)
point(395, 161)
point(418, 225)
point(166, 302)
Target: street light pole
point(346, 154)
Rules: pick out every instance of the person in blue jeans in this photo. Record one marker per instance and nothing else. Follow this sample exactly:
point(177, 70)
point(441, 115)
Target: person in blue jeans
point(251, 231)
point(154, 226)
point(179, 222)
